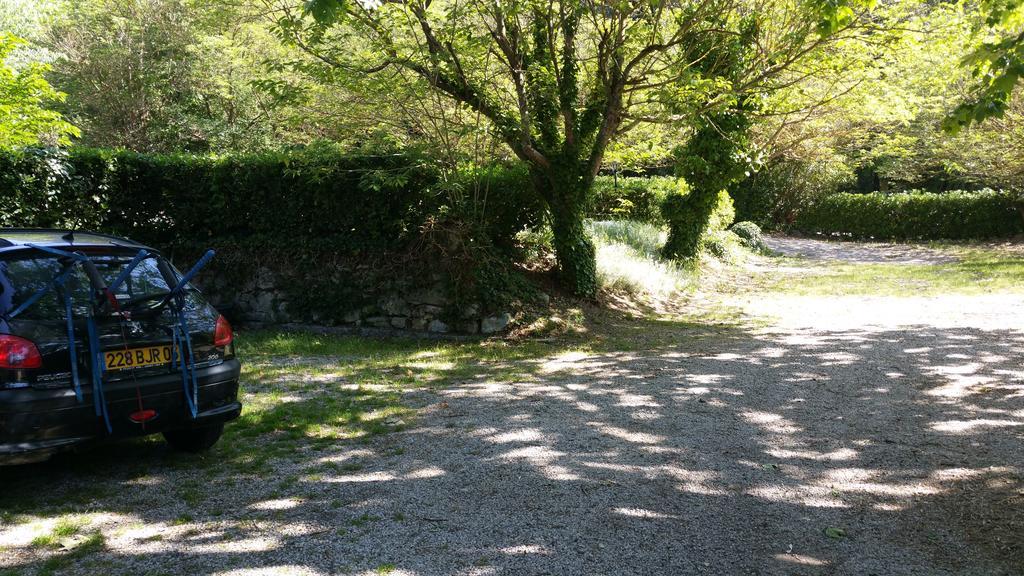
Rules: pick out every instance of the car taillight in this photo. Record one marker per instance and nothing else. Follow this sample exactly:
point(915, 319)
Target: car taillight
point(222, 334)
point(18, 353)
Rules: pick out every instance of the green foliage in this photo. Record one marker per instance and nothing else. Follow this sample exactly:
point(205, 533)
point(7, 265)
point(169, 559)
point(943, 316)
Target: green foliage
point(632, 198)
point(577, 255)
point(723, 214)
point(335, 229)
point(25, 98)
point(997, 65)
point(713, 159)
point(916, 215)
point(773, 196)
point(692, 217)
point(513, 205)
point(897, 81)
point(834, 15)
point(175, 75)
point(750, 235)
point(532, 71)
point(723, 245)
point(498, 197)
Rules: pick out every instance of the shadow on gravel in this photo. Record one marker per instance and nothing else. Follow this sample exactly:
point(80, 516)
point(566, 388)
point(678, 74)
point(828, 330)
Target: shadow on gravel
point(889, 452)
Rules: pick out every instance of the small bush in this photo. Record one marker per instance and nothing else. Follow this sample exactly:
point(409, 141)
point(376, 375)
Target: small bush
point(724, 245)
point(499, 198)
point(750, 235)
point(723, 214)
point(916, 215)
point(774, 196)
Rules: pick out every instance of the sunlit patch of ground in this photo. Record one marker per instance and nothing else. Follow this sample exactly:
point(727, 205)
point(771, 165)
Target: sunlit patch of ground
point(867, 434)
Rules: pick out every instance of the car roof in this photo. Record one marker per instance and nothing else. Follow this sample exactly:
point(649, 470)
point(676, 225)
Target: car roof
point(16, 238)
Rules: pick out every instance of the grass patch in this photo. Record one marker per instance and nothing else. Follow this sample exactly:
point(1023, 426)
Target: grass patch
point(629, 260)
point(90, 545)
point(977, 270)
point(64, 528)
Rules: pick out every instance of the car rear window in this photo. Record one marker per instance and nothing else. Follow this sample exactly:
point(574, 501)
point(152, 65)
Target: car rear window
point(21, 278)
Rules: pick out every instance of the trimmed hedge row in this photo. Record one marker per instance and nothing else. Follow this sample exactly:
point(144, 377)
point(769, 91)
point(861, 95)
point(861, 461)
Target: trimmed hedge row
point(338, 229)
point(916, 215)
point(358, 203)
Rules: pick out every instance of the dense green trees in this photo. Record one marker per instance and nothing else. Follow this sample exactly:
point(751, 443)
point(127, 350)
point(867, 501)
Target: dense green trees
point(26, 118)
point(167, 75)
point(997, 64)
point(778, 101)
point(882, 128)
point(560, 81)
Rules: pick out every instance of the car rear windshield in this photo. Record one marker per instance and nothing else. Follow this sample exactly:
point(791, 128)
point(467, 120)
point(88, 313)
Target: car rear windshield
point(21, 278)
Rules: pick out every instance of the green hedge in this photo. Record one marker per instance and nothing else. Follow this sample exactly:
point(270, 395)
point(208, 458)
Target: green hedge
point(356, 202)
point(916, 215)
point(776, 194)
point(340, 229)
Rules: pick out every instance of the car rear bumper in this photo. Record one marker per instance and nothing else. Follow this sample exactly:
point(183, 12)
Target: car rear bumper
point(35, 424)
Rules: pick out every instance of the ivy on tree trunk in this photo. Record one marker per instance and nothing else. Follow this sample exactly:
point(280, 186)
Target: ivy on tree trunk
point(566, 195)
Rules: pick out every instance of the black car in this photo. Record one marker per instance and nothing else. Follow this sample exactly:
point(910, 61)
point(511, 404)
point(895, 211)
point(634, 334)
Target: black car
point(101, 337)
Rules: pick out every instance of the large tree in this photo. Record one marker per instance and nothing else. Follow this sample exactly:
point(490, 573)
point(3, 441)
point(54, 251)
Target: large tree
point(560, 81)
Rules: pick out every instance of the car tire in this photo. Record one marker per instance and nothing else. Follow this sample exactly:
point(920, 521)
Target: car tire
point(194, 439)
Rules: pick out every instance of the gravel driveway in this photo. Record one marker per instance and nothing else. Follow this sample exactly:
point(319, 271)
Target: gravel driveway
point(893, 450)
point(891, 445)
point(857, 252)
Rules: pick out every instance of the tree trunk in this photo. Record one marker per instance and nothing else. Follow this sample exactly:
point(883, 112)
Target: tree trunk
point(566, 195)
point(688, 217)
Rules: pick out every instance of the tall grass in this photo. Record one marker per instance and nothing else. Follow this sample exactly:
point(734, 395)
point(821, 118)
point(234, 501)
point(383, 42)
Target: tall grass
point(629, 260)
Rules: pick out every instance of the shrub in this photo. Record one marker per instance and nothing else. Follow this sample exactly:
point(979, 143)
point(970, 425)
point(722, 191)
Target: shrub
point(774, 196)
point(750, 235)
point(723, 214)
point(356, 202)
point(633, 198)
point(724, 245)
point(916, 215)
point(499, 198)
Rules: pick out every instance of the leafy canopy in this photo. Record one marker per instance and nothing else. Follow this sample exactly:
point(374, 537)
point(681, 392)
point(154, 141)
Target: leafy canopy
point(997, 64)
point(25, 119)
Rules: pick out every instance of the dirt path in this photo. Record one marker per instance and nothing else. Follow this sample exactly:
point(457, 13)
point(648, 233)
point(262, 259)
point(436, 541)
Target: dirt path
point(848, 437)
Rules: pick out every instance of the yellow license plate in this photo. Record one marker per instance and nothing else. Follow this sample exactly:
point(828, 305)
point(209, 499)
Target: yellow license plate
point(137, 357)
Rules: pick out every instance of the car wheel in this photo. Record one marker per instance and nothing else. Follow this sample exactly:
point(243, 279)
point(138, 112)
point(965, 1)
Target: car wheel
point(194, 439)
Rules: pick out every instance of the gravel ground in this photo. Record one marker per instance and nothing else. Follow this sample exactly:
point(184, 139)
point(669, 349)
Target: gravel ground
point(852, 436)
point(857, 252)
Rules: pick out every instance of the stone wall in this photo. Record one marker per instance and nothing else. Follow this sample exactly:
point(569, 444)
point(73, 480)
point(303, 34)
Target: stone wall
point(261, 301)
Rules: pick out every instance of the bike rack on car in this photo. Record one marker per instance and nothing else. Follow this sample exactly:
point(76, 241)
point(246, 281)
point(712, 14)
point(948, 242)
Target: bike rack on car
point(181, 340)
